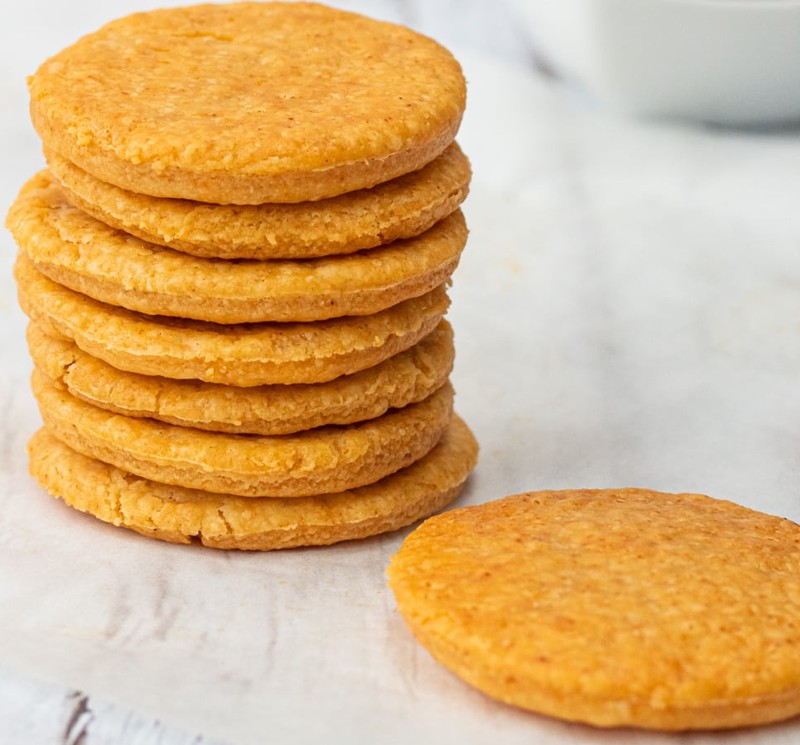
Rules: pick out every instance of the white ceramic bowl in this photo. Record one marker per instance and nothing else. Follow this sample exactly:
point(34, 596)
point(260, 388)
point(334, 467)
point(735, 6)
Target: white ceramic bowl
point(719, 61)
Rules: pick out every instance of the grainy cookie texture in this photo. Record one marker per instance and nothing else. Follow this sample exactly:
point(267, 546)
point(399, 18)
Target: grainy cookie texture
point(171, 513)
point(241, 355)
point(404, 379)
point(236, 270)
point(317, 461)
point(400, 208)
point(248, 102)
point(88, 256)
point(613, 607)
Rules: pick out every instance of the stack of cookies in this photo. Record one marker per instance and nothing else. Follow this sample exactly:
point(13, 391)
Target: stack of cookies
point(235, 270)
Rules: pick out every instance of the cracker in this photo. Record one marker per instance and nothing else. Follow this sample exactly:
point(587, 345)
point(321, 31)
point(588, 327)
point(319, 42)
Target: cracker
point(406, 378)
point(401, 208)
point(170, 513)
point(317, 461)
point(242, 355)
point(248, 103)
point(84, 254)
point(613, 607)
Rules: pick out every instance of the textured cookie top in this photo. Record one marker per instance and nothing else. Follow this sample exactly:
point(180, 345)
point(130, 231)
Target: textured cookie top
point(90, 257)
point(615, 607)
point(240, 355)
point(405, 378)
point(249, 102)
point(172, 513)
point(317, 461)
point(400, 208)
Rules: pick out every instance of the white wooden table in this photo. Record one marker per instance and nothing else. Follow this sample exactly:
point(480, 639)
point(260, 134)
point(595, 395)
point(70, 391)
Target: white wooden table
point(627, 313)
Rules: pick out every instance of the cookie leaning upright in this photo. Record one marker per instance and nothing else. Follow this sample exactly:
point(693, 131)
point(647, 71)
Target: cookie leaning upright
point(186, 104)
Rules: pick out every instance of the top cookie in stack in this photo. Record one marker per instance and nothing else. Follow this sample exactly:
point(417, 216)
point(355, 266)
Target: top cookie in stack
point(247, 226)
point(249, 103)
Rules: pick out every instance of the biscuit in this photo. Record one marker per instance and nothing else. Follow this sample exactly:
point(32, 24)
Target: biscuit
point(248, 103)
point(243, 355)
point(406, 378)
point(400, 208)
point(614, 607)
point(171, 513)
point(317, 461)
point(81, 253)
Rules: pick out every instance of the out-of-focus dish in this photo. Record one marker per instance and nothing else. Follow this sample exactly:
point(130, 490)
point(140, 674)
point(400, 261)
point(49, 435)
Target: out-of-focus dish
point(733, 62)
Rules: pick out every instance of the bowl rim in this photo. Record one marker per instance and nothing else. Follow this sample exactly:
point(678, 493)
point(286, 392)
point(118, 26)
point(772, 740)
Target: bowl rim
point(744, 5)
point(749, 5)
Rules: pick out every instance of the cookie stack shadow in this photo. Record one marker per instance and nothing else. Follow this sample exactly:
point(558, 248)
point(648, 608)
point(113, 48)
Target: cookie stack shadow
point(251, 373)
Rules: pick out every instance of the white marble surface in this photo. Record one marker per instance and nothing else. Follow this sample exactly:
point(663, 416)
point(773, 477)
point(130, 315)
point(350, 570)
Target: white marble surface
point(627, 313)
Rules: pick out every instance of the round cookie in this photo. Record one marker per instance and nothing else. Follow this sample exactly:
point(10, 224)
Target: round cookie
point(619, 607)
point(170, 513)
point(318, 461)
point(246, 103)
point(397, 209)
point(244, 355)
point(86, 255)
point(406, 378)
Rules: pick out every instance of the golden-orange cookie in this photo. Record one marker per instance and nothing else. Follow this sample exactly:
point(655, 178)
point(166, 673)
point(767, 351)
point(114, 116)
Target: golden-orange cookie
point(86, 255)
point(248, 103)
point(171, 513)
point(618, 607)
point(317, 461)
point(242, 355)
point(397, 209)
point(406, 378)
